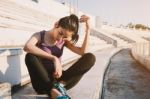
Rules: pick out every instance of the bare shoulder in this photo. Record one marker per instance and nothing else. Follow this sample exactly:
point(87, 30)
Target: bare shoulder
point(34, 38)
point(36, 35)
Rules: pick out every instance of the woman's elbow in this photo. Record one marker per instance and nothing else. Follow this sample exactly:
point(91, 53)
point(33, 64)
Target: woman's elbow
point(26, 48)
point(82, 52)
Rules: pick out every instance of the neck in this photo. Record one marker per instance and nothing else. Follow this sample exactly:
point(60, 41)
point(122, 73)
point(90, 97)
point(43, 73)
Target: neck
point(49, 37)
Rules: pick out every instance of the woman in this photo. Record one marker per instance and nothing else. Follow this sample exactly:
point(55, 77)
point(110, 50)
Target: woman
point(44, 50)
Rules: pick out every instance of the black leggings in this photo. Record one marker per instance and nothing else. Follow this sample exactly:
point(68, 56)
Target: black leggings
point(42, 81)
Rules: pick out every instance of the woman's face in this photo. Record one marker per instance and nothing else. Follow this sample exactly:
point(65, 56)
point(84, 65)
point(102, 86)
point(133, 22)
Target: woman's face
point(61, 33)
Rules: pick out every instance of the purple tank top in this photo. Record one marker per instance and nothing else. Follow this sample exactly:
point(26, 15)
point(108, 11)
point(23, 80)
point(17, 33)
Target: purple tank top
point(56, 50)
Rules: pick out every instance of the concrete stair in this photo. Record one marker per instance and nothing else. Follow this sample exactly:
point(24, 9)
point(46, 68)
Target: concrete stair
point(5, 90)
point(15, 16)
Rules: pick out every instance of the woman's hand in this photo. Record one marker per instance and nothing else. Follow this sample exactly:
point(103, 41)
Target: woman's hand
point(85, 19)
point(58, 68)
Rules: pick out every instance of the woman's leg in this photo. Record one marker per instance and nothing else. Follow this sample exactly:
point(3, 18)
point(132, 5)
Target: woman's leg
point(72, 75)
point(40, 79)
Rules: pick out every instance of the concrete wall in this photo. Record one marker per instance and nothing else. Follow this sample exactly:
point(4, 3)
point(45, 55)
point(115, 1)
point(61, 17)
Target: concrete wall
point(12, 67)
point(141, 52)
point(98, 22)
point(144, 60)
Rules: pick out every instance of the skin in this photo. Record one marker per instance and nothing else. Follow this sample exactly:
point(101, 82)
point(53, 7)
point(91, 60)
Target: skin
point(51, 38)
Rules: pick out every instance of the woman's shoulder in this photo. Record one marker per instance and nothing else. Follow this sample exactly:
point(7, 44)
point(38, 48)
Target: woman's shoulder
point(38, 35)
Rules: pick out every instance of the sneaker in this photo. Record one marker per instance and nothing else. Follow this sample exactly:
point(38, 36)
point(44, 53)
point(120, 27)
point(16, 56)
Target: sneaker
point(63, 97)
point(62, 90)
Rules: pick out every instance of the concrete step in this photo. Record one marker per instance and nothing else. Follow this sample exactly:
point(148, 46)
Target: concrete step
point(5, 91)
point(23, 11)
point(28, 92)
point(8, 23)
point(20, 17)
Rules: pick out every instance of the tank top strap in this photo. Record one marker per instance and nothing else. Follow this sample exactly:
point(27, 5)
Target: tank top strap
point(42, 33)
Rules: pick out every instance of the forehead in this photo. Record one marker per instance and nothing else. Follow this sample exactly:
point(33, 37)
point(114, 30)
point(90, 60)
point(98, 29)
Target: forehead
point(66, 32)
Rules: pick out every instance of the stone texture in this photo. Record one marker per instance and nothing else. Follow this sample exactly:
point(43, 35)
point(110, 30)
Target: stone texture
point(5, 91)
point(126, 79)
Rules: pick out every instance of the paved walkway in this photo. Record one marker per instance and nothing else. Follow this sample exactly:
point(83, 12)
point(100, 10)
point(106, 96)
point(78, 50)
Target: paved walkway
point(126, 79)
point(89, 86)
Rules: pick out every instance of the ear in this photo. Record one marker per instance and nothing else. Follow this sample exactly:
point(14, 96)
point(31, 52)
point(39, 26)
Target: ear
point(56, 25)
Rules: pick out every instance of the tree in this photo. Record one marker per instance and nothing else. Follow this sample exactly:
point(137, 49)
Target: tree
point(130, 25)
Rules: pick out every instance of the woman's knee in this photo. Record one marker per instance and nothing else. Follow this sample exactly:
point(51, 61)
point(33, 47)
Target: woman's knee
point(30, 57)
point(90, 58)
point(31, 60)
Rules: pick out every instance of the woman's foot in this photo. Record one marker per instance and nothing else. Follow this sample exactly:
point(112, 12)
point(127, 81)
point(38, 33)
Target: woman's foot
point(55, 93)
point(62, 90)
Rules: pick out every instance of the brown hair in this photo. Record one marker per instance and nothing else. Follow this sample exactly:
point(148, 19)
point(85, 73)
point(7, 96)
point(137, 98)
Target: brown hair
point(70, 23)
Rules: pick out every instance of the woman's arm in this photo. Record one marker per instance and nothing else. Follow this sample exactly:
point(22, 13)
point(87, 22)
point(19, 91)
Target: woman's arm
point(31, 47)
point(81, 50)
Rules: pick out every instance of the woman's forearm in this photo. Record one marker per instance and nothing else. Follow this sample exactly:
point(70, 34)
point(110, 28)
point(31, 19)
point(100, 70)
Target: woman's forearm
point(37, 51)
point(86, 39)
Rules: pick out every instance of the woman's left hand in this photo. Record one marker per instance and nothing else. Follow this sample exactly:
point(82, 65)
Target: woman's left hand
point(58, 68)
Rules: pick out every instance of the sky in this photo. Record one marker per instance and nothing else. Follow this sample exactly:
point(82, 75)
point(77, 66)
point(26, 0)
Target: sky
point(116, 12)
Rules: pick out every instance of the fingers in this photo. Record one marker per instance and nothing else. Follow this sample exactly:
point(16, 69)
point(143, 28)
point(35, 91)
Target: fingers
point(58, 68)
point(83, 18)
point(57, 74)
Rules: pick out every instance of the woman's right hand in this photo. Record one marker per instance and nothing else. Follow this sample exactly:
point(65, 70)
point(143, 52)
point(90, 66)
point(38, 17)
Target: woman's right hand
point(58, 68)
point(84, 18)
